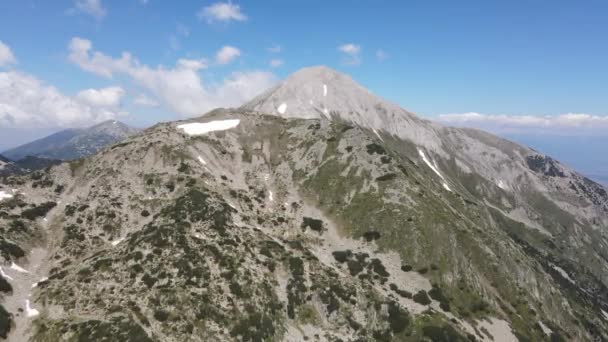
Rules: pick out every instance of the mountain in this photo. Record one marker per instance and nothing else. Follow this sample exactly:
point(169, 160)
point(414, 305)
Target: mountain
point(348, 219)
point(74, 143)
point(7, 166)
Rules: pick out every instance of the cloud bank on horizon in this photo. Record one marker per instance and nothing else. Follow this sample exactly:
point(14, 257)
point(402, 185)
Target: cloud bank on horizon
point(562, 124)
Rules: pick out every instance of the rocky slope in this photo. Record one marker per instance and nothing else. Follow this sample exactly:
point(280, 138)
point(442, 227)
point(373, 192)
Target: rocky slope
point(255, 224)
point(7, 166)
point(73, 143)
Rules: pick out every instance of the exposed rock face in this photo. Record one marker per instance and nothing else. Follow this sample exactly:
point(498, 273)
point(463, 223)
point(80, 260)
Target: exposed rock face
point(72, 143)
point(282, 228)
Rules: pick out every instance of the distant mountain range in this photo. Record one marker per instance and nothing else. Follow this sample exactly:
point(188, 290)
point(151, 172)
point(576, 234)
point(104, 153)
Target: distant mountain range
point(24, 165)
point(73, 143)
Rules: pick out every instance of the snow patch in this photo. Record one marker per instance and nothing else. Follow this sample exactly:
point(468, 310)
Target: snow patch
point(116, 242)
point(435, 169)
point(377, 134)
point(5, 195)
point(30, 311)
point(270, 196)
point(39, 281)
point(605, 314)
point(544, 328)
point(4, 275)
point(198, 128)
point(563, 273)
point(325, 90)
point(502, 184)
point(18, 268)
point(326, 112)
point(200, 159)
point(282, 108)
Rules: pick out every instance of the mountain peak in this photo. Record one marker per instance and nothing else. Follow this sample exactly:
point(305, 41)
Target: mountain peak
point(321, 92)
point(314, 92)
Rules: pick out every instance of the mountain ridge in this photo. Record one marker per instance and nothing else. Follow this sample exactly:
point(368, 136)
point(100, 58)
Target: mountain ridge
point(247, 225)
point(73, 143)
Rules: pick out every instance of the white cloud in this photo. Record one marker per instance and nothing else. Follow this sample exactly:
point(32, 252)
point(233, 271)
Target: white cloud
point(351, 49)
point(227, 54)
point(104, 97)
point(179, 88)
point(381, 55)
point(6, 55)
point(352, 52)
point(275, 49)
point(93, 8)
point(145, 101)
point(221, 11)
point(97, 63)
point(557, 124)
point(276, 63)
point(25, 101)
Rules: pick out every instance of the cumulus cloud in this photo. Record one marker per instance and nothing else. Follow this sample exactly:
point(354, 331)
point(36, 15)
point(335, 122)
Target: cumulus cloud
point(180, 88)
point(96, 62)
point(352, 54)
point(221, 12)
point(105, 97)
point(26, 101)
point(93, 8)
point(6, 55)
point(276, 63)
point(227, 54)
point(556, 124)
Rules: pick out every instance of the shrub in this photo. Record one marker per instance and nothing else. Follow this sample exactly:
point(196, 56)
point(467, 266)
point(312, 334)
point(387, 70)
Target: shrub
point(38, 211)
point(375, 148)
point(398, 319)
point(379, 268)
point(5, 286)
point(314, 224)
point(386, 177)
point(422, 298)
point(371, 236)
point(9, 249)
point(445, 333)
point(161, 315)
point(5, 322)
point(342, 256)
point(406, 268)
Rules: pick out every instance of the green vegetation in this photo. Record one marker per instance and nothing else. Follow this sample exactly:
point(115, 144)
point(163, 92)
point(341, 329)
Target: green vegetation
point(422, 298)
point(314, 224)
point(38, 211)
point(5, 322)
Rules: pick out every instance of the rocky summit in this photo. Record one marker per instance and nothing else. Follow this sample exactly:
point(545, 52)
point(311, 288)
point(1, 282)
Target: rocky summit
point(316, 212)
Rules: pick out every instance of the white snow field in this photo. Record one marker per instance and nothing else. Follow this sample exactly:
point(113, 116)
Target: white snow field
point(199, 128)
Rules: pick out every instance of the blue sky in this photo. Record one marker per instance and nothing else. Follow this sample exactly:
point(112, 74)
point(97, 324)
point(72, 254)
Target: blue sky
point(502, 60)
